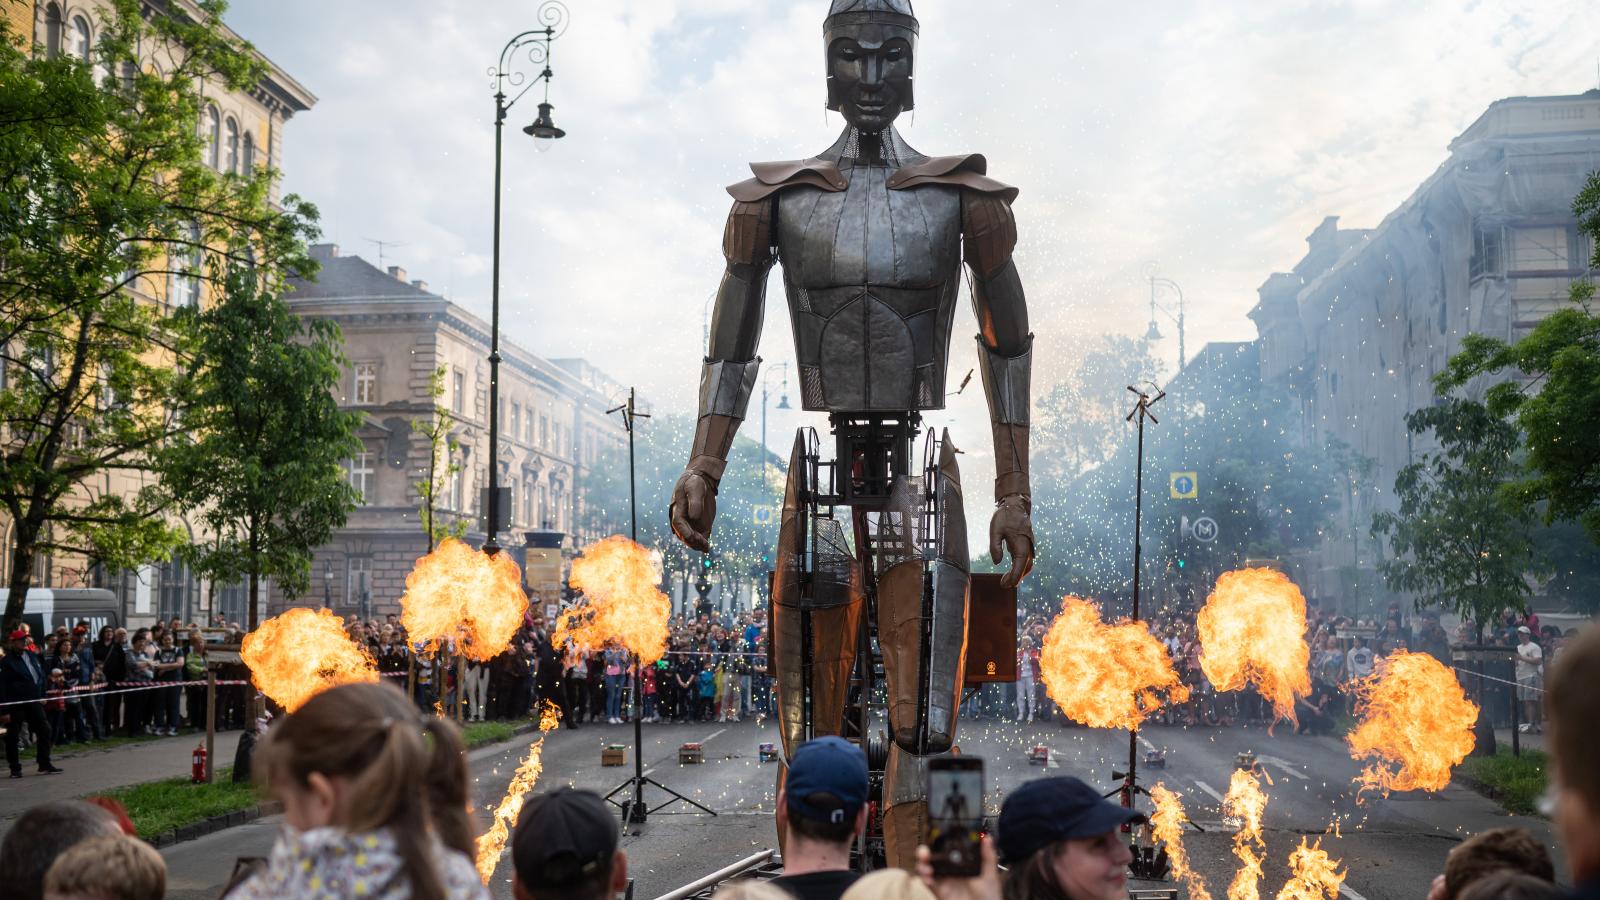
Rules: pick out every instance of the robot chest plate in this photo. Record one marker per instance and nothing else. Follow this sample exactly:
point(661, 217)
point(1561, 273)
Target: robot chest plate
point(870, 235)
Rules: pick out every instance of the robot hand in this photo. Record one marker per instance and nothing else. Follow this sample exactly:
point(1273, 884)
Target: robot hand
point(1011, 528)
point(694, 506)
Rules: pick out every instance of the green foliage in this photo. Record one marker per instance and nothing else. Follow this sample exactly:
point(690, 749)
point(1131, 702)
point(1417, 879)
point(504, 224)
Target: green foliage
point(259, 456)
point(1457, 540)
point(1556, 401)
point(103, 193)
point(157, 807)
point(480, 734)
point(1516, 781)
point(442, 448)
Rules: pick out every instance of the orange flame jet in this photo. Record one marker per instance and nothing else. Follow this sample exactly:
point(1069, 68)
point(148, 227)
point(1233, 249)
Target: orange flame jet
point(1105, 676)
point(301, 653)
point(1413, 715)
point(1247, 803)
point(622, 600)
point(458, 594)
point(1253, 631)
point(492, 842)
point(1167, 822)
point(1312, 874)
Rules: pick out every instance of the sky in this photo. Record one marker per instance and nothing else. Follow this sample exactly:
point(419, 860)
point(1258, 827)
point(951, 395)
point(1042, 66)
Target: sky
point(1201, 140)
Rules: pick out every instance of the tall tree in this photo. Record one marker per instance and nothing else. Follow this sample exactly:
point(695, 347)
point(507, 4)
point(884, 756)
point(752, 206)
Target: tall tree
point(1456, 540)
point(1556, 399)
point(111, 224)
point(260, 454)
point(441, 464)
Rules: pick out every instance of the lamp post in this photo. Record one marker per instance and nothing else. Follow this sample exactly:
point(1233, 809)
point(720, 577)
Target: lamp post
point(553, 16)
point(783, 403)
point(1154, 333)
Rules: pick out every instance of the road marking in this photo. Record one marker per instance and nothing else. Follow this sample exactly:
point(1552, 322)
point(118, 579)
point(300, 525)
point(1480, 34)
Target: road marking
point(712, 735)
point(1212, 791)
point(1349, 893)
point(1145, 743)
point(1286, 766)
point(1050, 761)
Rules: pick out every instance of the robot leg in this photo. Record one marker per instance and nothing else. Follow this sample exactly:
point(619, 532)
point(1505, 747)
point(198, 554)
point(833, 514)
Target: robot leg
point(922, 632)
point(815, 615)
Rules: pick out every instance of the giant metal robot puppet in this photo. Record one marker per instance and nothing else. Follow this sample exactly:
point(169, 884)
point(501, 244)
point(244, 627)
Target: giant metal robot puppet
point(871, 235)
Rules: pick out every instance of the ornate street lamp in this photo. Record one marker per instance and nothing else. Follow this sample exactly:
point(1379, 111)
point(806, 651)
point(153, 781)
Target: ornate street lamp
point(783, 403)
point(1154, 333)
point(552, 14)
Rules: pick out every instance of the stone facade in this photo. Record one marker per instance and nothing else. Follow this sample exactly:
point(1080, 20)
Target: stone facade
point(553, 429)
point(1354, 333)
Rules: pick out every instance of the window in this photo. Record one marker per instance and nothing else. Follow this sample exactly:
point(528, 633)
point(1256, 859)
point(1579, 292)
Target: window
point(527, 502)
point(230, 146)
point(516, 418)
point(358, 582)
point(1540, 249)
point(527, 428)
point(509, 514)
point(183, 279)
point(361, 472)
point(544, 431)
point(458, 396)
point(544, 508)
point(52, 31)
point(366, 388)
point(175, 591)
point(249, 153)
point(458, 490)
point(1486, 244)
point(80, 38)
point(211, 128)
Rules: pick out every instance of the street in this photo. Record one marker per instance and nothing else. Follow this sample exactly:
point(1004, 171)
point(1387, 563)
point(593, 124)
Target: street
point(1391, 848)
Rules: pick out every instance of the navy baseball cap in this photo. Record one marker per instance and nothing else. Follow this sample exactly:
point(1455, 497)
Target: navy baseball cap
point(827, 765)
point(1047, 810)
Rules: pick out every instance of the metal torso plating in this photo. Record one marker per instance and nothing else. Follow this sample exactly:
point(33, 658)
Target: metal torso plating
point(871, 276)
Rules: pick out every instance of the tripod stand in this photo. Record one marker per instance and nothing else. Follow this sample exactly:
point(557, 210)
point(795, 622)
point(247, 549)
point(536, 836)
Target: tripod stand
point(634, 809)
point(1141, 410)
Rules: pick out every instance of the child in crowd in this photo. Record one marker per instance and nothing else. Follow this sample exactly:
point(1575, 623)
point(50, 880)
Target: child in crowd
point(334, 764)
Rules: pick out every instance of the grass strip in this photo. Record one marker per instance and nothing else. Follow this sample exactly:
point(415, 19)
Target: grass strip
point(477, 734)
point(161, 806)
point(1516, 782)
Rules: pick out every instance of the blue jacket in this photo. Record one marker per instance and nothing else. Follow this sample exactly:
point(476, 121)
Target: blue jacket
point(21, 681)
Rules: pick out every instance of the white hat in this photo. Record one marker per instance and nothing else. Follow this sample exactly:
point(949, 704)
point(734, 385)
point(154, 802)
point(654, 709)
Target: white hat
point(1523, 629)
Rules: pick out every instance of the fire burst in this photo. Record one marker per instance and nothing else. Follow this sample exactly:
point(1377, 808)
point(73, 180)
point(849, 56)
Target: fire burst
point(492, 842)
point(1247, 803)
point(297, 655)
point(1253, 631)
point(1167, 822)
point(1105, 676)
point(622, 600)
point(1313, 875)
point(1414, 715)
point(457, 593)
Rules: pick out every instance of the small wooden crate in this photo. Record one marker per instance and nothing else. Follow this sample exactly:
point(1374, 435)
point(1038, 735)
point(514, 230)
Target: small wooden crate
point(1039, 755)
point(613, 755)
point(691, 753)
point(767, 752)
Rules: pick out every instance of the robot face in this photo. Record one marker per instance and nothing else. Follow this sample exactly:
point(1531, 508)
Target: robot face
point(869, 76)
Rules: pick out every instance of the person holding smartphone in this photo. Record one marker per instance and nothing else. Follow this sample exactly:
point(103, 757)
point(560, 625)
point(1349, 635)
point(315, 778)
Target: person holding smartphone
point(821, 809)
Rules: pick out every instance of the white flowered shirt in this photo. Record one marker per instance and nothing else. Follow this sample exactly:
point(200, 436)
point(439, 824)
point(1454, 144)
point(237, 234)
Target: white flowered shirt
point(333, 863)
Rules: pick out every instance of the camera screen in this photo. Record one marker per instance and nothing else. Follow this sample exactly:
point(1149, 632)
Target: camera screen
point(955, 813)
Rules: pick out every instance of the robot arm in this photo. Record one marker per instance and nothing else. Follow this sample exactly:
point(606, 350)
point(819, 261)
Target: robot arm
point(728, 376)
point(1005, 351)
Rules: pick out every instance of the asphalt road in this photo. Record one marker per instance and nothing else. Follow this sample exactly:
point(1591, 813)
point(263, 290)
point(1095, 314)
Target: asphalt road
point(1390, 847)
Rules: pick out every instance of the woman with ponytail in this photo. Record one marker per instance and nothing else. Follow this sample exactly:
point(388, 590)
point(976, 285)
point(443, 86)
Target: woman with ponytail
point(374, 801)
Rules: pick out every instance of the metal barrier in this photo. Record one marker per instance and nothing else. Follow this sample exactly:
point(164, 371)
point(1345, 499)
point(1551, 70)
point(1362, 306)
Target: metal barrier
point(747, 866)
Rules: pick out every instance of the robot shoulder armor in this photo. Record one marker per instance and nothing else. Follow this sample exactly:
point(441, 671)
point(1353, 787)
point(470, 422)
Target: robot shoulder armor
point(772, 177)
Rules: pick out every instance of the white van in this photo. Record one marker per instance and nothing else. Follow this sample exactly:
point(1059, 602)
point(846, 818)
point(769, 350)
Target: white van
point(48, 608)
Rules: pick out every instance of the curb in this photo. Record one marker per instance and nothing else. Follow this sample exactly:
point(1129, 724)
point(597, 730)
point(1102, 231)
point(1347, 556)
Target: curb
point(266, 808)
point(215, 823)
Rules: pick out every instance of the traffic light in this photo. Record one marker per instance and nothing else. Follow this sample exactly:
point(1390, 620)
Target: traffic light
point(705, 565)
point(1180, 562)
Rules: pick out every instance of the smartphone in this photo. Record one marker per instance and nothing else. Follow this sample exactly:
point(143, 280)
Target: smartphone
point(955, 816)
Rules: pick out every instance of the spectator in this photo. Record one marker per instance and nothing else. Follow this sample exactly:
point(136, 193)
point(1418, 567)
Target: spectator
point(141, 670)
point(1488, 852)
point(1573, 705)
point(194, 675)
point(1506, 885)
point(1359, 661)
point(168, 671)
point(42, 834)
point(706, 684)
point(577, 686)
point(821, 808)
point(1027, 659)
point(888, 884)
point(616, 659)
point(565, 848)
point(334, 764)
point(749, 889)
point(1061, 840)
point(73, 725)
point(23, 681)
point(1530, 677)
point(110, 867)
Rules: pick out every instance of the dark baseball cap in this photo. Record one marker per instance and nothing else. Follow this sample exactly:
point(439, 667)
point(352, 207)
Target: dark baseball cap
point(827, 765)
point(563, 837)
point(1047, 810)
